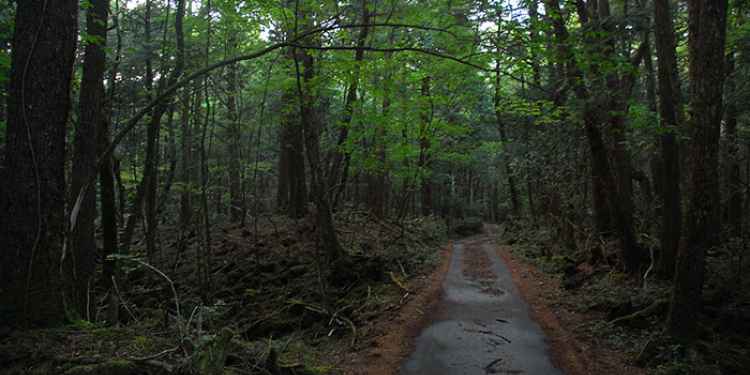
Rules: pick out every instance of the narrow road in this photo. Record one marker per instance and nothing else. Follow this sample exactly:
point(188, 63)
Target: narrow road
point(481, 325)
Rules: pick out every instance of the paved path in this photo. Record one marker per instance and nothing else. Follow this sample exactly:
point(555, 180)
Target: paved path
point(481, 325)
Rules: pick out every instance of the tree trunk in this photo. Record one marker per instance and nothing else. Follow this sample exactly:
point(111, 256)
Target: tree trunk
point(107, 179)
point(32, 194)
point(734, 212)
point(287, 116)
point(424, 147)
point(377, 184)
point(512, 188)
point(236, 199)
point(620, 87)
point(311, 127)
point(186, 168)
point(600, 172)
point(337, 173)
point(146, 191)
point(670, 114)
point(83, 252)
point(292, 197)
point(707, 21)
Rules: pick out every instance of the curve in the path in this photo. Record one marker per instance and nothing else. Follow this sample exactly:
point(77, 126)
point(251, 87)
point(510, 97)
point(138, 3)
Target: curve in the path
point(481, 325)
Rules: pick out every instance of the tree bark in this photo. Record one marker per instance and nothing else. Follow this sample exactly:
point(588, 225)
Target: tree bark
point(337, 173)
point(186, 164)
point(83, 252)
point(292, 185)
point(511, 180)
point(707, 20)
point(424, 147)
point(107, 197)
point(311, 127)
point(376, 185)
point(734, 204)
point(670, 114)
point(32, 194)
point(234, 144)
point(574, 80)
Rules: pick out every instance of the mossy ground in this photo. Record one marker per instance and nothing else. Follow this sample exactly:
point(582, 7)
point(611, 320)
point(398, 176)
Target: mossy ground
point(270, 290)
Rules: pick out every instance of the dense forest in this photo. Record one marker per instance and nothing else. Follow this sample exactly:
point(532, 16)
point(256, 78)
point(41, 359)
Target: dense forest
point(256, 186)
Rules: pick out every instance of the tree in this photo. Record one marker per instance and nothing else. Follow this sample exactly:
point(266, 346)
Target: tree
point(32, 198)
point(707, 22)
point(670, 117)
point(82, 260)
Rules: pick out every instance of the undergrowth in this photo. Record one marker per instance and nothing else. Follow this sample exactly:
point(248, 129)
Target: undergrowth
point(268, 306)
point(592, 284)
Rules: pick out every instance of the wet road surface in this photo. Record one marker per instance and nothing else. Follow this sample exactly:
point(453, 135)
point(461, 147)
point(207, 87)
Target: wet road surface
point(481, 325)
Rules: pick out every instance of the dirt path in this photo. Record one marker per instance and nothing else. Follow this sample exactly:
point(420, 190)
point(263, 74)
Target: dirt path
point(481, 325)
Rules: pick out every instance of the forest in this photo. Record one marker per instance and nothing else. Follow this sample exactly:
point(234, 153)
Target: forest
point(374, 187)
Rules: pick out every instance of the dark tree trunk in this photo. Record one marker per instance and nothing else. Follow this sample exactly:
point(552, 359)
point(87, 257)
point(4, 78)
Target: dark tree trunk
point(611, 208)
point(186, 164)
point(377, 184)
point(621, 87)
point(734, 205)
point(311, 127)
point(601, 178)
point(424, 147)
point(707, 20)
point(236, 199)
point(82, 260)
point(304, 67)
point(32, 195)
point(337, 173)
point(107, 184)
point(670, 100)
point(282, 185)
point(146, 191)
point(292, 186)
point(512, 187)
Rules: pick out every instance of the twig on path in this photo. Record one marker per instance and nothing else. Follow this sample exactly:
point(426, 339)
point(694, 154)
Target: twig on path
point(494, 334)
point(488, 368)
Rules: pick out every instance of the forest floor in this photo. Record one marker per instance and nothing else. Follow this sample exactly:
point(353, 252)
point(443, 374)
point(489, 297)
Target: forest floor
point(262, 303)
point(256, 303)
point(600, 321)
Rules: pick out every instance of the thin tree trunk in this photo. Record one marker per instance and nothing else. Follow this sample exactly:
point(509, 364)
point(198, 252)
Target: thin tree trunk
point(107, 183)
point(236, 200)
point(377, 188)
point(186, 173)
point(515, 202)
